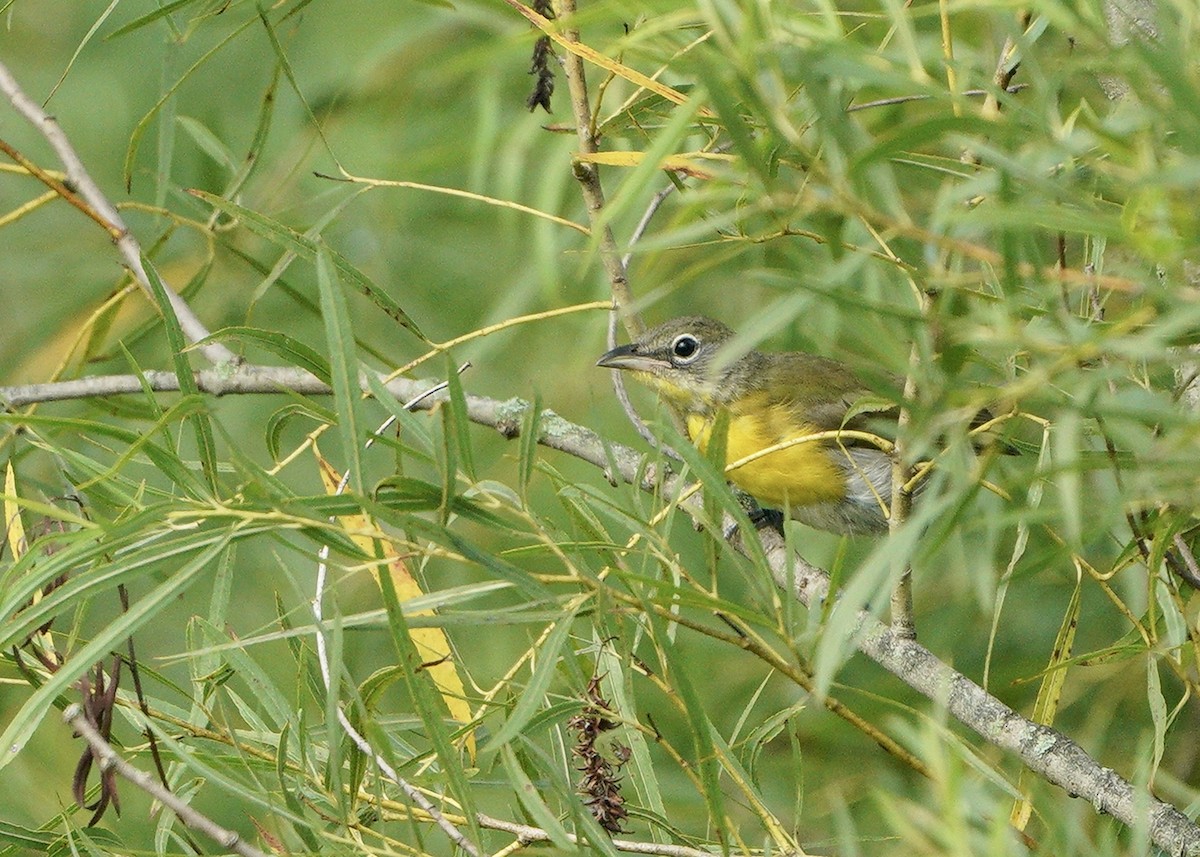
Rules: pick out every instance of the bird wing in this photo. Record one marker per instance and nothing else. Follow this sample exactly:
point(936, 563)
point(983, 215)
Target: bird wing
point(824, 394)
point(828, 395)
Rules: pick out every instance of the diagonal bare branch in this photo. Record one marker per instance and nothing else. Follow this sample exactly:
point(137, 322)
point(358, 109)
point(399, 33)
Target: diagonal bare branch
point(110, 761)
point(80, 182)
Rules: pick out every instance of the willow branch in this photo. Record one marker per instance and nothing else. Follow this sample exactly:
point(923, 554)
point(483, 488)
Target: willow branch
point(902, 615)
point(245, 379)
point(414, 794)
point(108, 760)
point(80, 184)
point(588, 176)
point(1044, 750)
point(618, 377)
point(527, 835)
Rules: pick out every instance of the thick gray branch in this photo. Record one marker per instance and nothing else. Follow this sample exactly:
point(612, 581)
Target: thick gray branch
point(1044, 750)
point(218, 382)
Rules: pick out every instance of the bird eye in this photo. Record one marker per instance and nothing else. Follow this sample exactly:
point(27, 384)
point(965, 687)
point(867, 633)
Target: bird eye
point(684, 347)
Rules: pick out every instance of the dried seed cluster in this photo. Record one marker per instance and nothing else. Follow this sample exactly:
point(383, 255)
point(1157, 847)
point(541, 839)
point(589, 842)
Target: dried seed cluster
point(540, 65)
point(600, 785)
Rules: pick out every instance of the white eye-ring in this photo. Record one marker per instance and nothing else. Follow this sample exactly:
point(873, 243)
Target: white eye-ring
point(685, 347)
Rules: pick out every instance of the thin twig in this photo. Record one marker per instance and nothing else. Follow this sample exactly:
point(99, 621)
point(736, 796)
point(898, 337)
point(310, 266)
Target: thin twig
point(618, 382)
point(588, 176)
point(527, 834)
point(350, 178)
point(412, 792)
point(81, 183)
point(904, 99)
point(53, 182)
point(1190, 570)
point(652, 208)
point(618, 377)
point(902, 615)
point(108, 760)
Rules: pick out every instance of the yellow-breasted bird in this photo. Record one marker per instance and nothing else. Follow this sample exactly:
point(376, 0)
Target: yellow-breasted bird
point(841, 485)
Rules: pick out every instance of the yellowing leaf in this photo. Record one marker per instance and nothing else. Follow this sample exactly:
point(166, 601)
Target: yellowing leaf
point(436, 656)
point(550, 28)
point(689, 163)
point(1049, 695)
point(360, 528)
point(432, 644)
point(13, 528)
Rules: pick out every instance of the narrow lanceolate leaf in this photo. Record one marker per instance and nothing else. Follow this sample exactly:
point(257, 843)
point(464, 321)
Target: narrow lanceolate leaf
point(531, 799)
point(714, 453)
point(691, 164)
point(26, 839)
point(112, 554)
point(527, 442)
point(448, 462)
point(35, 709)
point(139, 130)
point(207, 141)
point(165, 154)
point(529, 585)
point(292, 350)
point(14, 530)
point(701, 732)
point(433, 646)
point(285, 64)
point(206, 446)
point(136, 442)
point(535, 692)
point(307, 248)
point(1159, 717)
point(343, 365)
point(457, 415)
point(18, 544)
point(261, 132)
point(149, 18)
point(423, 696)
point(1049, 694)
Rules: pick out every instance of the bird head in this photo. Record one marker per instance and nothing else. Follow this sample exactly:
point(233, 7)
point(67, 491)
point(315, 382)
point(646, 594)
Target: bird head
point(679, 359)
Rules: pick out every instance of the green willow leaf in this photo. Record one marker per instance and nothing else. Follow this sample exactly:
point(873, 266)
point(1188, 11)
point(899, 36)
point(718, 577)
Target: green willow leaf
point(205, 443)
point(307, 248)
point(292, 350)
point(534, 694)
point(343, 365)
point(35, 709)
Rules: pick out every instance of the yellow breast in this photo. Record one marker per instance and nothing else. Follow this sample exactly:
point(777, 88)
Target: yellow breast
point(795, 476)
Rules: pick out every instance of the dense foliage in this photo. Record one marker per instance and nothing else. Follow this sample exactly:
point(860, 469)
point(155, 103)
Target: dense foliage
point(995, 204)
